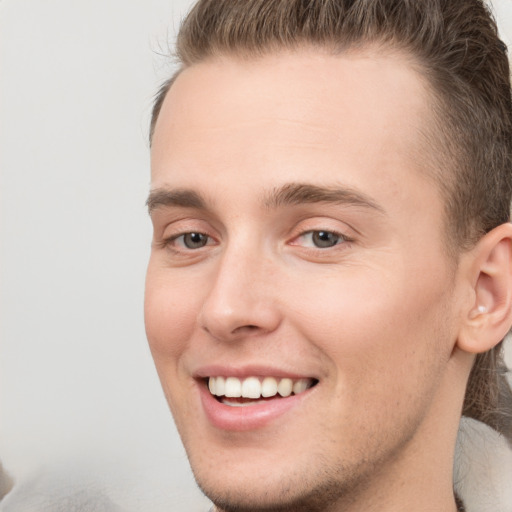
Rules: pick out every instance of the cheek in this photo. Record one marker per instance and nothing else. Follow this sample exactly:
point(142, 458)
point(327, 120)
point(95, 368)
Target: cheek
point(385, 343)
point(170, 312)
point(371, 325)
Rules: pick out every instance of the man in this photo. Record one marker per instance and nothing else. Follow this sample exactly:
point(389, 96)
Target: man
point(330, 277)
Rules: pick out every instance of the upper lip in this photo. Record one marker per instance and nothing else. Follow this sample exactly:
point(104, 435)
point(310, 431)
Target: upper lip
point(215, 370)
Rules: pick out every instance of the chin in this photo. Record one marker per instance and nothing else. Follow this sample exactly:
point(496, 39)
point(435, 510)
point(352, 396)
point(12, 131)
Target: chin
point(285, 494)
point(261, 481)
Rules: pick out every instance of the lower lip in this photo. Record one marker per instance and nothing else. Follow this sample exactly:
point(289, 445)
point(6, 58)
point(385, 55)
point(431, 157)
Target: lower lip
point(249, 417)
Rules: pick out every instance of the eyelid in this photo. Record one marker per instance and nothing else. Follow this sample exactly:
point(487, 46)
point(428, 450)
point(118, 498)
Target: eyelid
point(186, 224)
point(324, 223)
point(177, 228)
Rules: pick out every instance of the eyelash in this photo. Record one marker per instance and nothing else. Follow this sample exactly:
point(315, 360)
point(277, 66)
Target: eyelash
point(172, 241)
point(340, 239)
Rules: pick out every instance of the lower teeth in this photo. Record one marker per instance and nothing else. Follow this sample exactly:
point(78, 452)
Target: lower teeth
point(244, 402)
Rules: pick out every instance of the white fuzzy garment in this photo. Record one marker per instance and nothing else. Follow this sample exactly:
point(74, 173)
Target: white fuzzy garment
point(483, 468)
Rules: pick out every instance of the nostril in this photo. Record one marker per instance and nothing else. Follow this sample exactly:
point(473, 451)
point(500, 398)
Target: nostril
point(245, 328)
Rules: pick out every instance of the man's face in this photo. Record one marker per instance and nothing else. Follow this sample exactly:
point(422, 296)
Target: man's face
point(298, 243)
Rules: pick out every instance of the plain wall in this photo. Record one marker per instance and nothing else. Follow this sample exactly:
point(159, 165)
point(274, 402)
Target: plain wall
point(77, 381)
point(76, 378)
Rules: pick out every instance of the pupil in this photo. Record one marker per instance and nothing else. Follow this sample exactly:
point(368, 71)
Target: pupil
point(194, 240)
point(325, 238)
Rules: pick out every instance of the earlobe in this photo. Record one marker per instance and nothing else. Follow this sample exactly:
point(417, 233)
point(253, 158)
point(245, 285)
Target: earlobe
point(490, 314)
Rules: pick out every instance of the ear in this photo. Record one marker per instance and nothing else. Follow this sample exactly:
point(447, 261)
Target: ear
point(488, 317)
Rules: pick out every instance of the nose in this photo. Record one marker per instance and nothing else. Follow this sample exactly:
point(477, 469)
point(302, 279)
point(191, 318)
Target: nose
point(242, 299)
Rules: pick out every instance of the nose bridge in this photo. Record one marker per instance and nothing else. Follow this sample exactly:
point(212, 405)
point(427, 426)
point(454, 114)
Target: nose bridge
point(240, 297)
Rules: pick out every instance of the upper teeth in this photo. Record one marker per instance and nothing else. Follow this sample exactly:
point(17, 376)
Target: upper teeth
point(253, 387)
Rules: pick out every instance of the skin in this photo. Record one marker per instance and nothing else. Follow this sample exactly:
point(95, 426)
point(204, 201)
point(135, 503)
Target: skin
point(375, 318)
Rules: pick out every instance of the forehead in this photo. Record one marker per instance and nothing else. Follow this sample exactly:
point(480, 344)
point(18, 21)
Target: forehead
point(287, 116)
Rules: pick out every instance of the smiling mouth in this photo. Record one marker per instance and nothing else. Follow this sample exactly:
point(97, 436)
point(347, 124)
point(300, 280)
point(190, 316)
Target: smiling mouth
point(237, 392)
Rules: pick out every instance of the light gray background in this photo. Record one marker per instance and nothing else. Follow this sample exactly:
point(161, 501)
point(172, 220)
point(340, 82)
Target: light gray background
point(76, 378)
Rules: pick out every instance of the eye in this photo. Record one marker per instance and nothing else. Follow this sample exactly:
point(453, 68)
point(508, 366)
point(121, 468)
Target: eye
point(321, 239)
point(192, 240)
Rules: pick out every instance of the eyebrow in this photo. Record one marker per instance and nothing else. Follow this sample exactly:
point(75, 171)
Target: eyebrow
point(185, 198)
point(290, 194)
point(303, 193)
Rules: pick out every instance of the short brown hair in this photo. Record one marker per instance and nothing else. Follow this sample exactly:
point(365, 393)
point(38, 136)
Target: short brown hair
point(456, 45)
